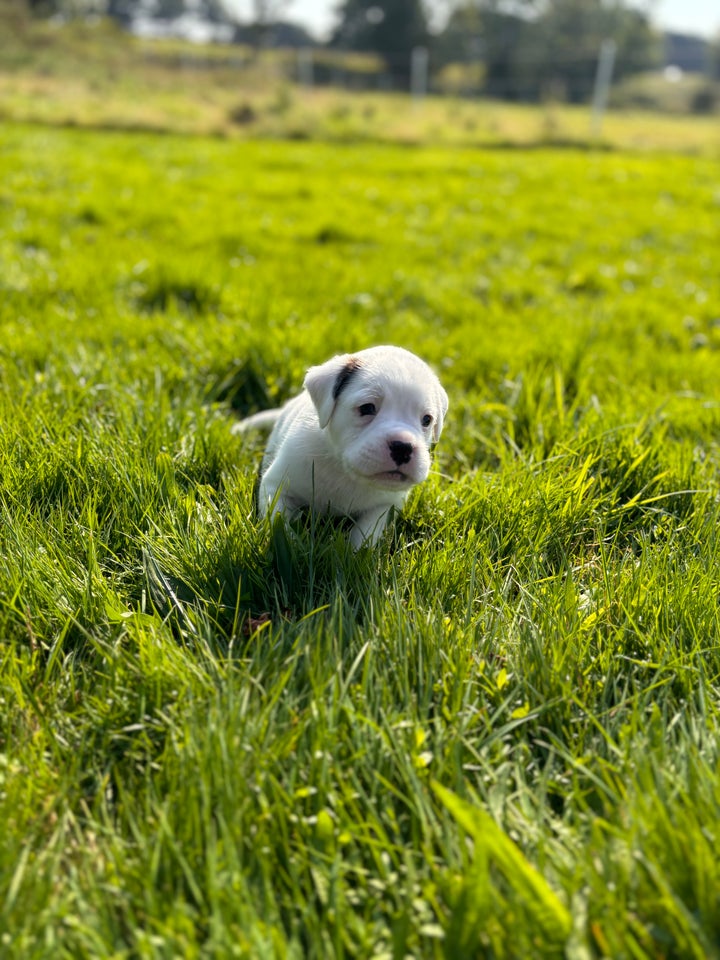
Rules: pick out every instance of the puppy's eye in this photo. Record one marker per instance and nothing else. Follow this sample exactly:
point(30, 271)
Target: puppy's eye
point(427, 420)
point(367, 410)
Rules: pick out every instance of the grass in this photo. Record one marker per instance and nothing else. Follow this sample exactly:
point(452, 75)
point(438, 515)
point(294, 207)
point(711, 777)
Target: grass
point(497, 735)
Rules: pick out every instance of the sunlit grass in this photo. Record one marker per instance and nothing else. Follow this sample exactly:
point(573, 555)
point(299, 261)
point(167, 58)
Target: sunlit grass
point(494, 736)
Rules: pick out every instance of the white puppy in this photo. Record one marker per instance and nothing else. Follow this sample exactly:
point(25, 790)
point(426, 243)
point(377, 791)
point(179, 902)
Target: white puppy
point(355, 441)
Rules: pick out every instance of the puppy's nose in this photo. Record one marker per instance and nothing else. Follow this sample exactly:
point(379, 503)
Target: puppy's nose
point(400, 451)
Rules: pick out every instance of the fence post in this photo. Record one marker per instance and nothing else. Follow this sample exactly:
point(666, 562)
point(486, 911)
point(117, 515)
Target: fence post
point(305, 67)
point(419, 73)
point(603, 79)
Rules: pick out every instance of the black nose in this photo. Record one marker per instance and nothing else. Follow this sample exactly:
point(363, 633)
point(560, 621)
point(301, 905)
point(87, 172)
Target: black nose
point(400, 451)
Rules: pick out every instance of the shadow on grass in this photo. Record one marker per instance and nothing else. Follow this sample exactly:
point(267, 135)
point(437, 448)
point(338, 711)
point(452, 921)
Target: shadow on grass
point(301, 569)
point(243, 386)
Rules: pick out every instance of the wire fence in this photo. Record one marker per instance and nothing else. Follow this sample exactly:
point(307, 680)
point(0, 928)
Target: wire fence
point(596, 77)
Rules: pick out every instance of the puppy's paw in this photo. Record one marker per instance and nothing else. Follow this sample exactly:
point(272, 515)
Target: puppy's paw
point(369, 527)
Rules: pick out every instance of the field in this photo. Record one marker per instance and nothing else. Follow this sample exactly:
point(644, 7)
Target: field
point(96, 76)
point(494, 736)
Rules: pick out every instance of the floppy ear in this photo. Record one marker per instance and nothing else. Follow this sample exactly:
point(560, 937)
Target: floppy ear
point(326, 382)
point(441, 405)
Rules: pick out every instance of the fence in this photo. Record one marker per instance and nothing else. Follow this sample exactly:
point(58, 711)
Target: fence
point(585, 77)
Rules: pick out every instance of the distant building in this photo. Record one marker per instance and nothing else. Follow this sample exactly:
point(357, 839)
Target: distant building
point(688, 53)
point(282, 33)
point(188, 26)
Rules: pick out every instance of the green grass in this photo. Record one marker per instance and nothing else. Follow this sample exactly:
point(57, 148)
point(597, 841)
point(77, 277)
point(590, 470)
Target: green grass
point(497, 735)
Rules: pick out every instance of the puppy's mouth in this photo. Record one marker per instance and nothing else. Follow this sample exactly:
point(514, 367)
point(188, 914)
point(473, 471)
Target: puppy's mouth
point(393, 477)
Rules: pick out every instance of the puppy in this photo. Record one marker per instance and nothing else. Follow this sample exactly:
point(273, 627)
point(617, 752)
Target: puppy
point(355, 441)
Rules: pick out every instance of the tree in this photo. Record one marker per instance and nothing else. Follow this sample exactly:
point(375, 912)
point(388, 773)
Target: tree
point(216, 11)
point(549, 47)
point(390, 28)
point(122, 10)
point(490, 31)
point(569, 34)
point(266, 13)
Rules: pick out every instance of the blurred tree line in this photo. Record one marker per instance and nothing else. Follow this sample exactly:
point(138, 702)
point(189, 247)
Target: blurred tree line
point(513, 49)
point(547, 49)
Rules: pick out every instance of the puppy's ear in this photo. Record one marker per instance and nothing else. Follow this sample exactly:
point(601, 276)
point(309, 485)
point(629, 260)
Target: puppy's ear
point(441, 407)
point(326, 382)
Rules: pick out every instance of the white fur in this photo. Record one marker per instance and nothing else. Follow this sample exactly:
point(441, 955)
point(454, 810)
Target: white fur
point(328, 452)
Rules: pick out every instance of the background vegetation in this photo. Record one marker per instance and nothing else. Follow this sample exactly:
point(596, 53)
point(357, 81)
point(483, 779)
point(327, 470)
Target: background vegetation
point(94, 75)
point(527, 51)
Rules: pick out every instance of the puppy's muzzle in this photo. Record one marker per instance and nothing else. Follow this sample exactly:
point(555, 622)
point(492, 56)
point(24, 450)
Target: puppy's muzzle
point(400, 451)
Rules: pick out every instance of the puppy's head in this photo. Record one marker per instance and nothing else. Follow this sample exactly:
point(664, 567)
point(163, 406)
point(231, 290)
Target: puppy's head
point(382, 408)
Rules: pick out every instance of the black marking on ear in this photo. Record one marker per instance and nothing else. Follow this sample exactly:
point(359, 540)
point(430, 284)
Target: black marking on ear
point(345, 376)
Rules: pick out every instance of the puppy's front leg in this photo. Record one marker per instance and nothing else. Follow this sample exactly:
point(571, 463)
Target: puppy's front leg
point(272, 498)
point(279, 504)
point(369, 527)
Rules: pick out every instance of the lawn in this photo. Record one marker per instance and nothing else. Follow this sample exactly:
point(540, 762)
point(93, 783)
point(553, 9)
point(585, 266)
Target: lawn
point(496, 735)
